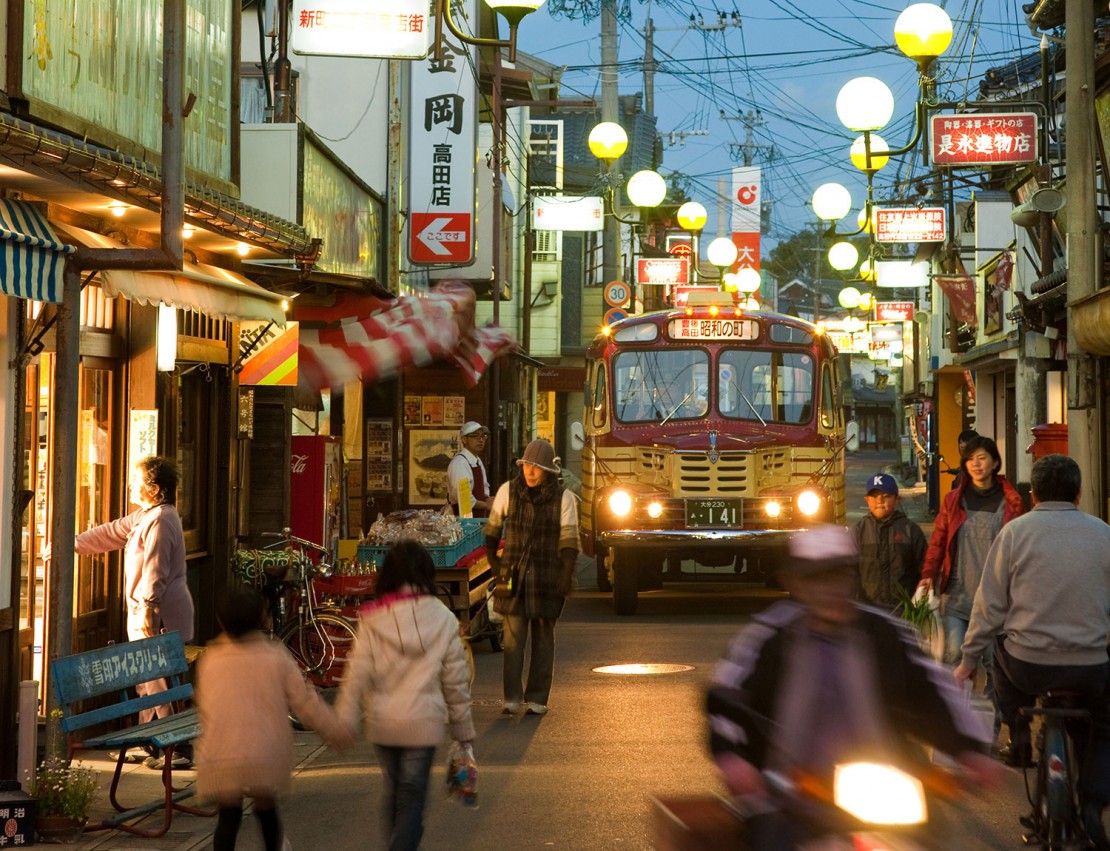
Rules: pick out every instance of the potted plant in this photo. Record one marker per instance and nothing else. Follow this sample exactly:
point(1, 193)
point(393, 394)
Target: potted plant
point(65, 793)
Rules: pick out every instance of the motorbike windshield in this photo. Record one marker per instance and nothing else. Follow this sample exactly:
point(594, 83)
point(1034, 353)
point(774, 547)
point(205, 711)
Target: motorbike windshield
point(767, 386)
point(654, 386)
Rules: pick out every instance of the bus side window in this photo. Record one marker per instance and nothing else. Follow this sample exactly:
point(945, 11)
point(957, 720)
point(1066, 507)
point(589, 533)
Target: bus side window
point(599, 403)
point(828, 400)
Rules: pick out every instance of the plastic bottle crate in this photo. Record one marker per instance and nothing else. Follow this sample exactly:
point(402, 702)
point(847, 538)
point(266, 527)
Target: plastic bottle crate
point(445, 556)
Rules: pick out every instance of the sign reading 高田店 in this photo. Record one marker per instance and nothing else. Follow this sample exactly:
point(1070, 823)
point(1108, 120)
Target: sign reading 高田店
point(984, 139)
point(391, 29)
point(909, 224)
point(443, 151)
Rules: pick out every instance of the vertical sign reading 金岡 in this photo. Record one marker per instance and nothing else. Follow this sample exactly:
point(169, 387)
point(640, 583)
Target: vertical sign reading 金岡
point(443, 145)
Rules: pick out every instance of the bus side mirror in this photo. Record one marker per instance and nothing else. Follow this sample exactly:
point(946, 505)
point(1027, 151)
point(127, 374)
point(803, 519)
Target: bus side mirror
point(577, 436)
point(851, 436)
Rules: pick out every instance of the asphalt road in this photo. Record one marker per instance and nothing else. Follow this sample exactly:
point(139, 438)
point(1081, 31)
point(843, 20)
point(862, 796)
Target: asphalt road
point(582, 776)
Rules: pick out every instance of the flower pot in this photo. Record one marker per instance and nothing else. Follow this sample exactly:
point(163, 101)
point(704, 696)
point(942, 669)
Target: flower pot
point(58, 830)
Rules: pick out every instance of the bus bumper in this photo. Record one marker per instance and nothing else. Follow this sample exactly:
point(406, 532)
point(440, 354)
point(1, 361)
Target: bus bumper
point(696, 538)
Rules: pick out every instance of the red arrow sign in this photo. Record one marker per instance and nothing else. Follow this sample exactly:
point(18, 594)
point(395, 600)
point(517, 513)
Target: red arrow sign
point(440, 238)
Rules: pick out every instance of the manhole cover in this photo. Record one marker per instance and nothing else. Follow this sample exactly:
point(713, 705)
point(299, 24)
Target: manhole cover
point(643, 668)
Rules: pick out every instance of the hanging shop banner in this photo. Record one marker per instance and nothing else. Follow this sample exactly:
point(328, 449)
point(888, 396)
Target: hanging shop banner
point(746, 213)
point(443, 151)
point(567, 213)
point(960, 290)
point(391, 29)
point(910, 224)
point(984, 139)
point(142, 438)
point(662, 271)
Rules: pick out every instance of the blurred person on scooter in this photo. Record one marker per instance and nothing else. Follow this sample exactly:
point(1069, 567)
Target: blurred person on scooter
point(822, 679)
point(1044, 606)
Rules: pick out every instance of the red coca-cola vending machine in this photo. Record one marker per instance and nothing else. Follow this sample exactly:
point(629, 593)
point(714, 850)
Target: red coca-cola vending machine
point(316, 476)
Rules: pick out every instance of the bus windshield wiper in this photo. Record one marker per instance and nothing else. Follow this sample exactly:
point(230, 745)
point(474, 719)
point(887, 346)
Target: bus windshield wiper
point(740, 393)
point(674, 410)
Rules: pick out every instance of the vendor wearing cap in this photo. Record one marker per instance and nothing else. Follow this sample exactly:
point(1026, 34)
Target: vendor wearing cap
point(467, 466)
point(891, 546)
point(819, 680)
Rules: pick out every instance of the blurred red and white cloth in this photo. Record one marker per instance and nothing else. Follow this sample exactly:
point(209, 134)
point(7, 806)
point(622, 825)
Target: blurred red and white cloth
point(383, 337)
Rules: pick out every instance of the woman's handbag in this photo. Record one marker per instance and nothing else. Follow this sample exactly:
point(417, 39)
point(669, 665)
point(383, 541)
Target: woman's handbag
point(507, 583)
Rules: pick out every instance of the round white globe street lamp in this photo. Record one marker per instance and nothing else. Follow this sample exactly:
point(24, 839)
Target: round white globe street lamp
point(748, 280)
point(831, 202)
point(843, 256)
point(849, 298)
point(646, 189)
point(923, 32)
point(865, 103)
point(722, 253)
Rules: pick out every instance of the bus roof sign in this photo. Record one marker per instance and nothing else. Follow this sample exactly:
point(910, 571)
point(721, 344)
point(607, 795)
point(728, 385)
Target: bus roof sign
point(693, 328)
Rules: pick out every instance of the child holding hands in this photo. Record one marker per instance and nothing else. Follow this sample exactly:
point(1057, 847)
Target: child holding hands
point(409, 674)
point(247, 686)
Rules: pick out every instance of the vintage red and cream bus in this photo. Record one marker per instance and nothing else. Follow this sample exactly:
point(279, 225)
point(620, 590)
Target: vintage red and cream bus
point(710, 435)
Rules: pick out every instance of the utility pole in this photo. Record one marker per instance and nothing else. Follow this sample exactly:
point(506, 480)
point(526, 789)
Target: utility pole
point(649, 64)
point(747, 150)
point(1084, 265)
point(611, 236)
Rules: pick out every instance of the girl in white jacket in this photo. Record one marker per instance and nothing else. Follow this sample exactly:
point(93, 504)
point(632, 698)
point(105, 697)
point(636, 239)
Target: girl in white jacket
point(408, 673)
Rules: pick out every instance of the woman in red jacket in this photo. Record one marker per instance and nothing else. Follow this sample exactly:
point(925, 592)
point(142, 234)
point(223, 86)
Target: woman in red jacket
point(970, 518)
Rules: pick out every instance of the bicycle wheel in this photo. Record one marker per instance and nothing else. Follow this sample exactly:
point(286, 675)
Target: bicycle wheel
point(320, 646)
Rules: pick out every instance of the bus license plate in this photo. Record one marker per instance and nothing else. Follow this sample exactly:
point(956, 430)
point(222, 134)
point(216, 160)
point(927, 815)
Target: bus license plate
point(712, 513)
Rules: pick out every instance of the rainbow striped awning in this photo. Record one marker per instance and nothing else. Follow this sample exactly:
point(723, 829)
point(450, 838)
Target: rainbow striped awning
point(32, 258)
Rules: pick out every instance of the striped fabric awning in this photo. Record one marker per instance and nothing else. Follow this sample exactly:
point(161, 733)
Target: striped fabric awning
point(408, 331)
point(32, 257)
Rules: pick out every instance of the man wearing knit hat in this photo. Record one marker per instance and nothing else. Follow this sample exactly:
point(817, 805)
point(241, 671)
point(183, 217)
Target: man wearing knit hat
point(467, 467)
point(538, 521)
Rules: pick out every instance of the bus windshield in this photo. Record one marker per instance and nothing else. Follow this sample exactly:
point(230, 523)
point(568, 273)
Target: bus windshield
point(653, 386)
point(769, 386)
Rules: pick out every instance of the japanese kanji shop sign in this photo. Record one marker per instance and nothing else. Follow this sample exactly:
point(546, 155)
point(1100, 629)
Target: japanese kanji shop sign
point(989, 138)
point(567, 213)
point(909, 224)
point(662, 271)
point(894, 311)
point(747, 182)
point(393, 29)
point(443, 150)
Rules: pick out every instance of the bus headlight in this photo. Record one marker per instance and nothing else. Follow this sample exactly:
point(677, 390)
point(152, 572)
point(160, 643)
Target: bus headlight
point(772, 508)
point(809, 503)
point(655, 510)
point(620, 503)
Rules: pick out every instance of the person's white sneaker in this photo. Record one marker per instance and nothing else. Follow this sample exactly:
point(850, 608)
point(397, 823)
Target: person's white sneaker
point(510, 707)
point(535, 708)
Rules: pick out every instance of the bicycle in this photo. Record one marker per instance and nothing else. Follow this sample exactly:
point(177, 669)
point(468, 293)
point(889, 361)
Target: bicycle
point(319, 637)
point(1056, 822)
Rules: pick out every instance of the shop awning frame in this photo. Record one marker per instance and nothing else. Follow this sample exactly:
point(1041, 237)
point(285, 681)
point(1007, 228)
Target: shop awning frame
point(206, 289)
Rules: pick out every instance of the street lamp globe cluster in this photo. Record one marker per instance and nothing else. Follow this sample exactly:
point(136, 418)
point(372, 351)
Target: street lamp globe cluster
point(866, 105)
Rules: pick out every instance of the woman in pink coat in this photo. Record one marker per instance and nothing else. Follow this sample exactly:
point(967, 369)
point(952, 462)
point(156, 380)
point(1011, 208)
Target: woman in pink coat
point(154, 587)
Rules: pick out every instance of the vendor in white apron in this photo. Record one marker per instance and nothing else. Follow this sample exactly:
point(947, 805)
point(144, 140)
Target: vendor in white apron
point(467, 467)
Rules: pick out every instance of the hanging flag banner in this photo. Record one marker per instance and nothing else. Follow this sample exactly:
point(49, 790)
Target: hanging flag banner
point(984, 139)
point(746, 214)
point(443, 151)
point(960, 290)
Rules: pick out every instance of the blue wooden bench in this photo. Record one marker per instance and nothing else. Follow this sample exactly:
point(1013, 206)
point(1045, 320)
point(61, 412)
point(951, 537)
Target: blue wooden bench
point(115, 671)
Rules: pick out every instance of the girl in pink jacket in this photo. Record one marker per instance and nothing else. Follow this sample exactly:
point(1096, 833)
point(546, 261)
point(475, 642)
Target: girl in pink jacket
point(247, 686)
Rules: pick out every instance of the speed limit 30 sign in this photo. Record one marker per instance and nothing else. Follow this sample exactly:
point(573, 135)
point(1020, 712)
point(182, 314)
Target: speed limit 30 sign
point(617, 293)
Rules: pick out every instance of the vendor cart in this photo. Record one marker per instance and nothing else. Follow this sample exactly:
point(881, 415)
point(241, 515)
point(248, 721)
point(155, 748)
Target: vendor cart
point(463, 578)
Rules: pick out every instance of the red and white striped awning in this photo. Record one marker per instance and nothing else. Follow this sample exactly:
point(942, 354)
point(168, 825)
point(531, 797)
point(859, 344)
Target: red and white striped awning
point(384, 337)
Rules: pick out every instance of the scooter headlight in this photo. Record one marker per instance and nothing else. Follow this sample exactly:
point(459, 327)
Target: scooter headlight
point(879, 794)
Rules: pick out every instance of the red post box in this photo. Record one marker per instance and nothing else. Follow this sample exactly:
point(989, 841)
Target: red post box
point(1048, 439)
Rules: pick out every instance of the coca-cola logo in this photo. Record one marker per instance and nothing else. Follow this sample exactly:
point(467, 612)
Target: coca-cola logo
point(300, 464)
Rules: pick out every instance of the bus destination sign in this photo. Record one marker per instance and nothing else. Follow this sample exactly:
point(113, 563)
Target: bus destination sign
point(713, 329)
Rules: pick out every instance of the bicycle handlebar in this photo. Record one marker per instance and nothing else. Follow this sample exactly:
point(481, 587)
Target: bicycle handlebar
point(287, 535)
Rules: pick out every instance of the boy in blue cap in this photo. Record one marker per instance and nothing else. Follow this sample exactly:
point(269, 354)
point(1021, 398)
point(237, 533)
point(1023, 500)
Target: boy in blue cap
point(891, 546)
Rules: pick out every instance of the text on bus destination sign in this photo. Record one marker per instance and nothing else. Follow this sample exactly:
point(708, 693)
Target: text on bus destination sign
point(688, 328)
